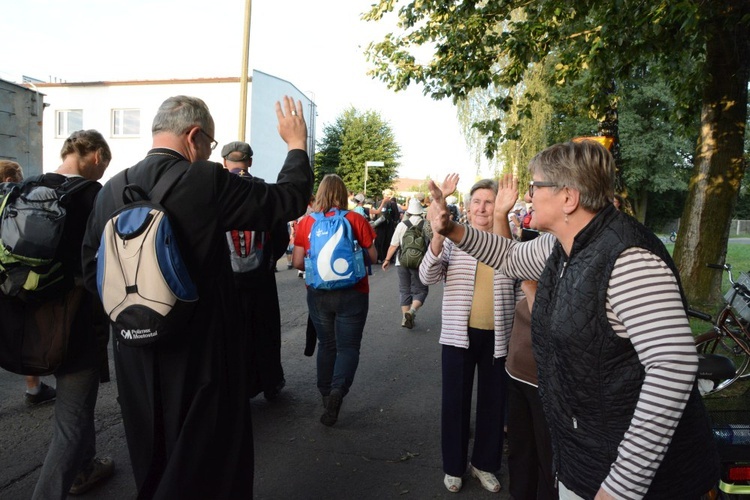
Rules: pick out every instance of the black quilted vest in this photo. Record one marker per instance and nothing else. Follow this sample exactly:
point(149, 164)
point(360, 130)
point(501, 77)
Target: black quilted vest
point(590, 379)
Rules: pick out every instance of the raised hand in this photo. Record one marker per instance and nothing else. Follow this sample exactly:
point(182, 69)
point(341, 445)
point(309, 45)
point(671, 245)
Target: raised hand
point(507, 194)
point(439, 214)
point(449, 185)
point(292, 126)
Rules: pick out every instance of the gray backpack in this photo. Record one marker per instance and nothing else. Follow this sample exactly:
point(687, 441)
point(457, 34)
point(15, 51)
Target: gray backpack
point(32, 220)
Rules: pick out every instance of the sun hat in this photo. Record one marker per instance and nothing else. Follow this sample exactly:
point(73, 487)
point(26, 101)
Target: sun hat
point(415, 208)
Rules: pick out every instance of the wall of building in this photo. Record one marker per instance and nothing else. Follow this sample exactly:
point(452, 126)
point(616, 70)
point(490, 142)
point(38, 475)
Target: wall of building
point(221, 95)
point(21, 111)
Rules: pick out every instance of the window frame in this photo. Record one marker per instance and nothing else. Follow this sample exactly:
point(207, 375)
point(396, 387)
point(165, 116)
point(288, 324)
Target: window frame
point(62, 126)
point(117, 121)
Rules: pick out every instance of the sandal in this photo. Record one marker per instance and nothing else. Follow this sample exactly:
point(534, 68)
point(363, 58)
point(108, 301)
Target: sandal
point(488, 479)
point(453, 483)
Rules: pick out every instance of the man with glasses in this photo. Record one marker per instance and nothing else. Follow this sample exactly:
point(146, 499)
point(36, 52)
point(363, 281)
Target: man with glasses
point(185, 400)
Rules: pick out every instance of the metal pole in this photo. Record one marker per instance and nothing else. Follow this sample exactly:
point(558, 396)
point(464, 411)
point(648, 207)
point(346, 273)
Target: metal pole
point(365, 189)
point(245, 66)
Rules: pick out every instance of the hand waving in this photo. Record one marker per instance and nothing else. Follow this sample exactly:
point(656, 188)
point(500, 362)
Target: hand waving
point(449, 185)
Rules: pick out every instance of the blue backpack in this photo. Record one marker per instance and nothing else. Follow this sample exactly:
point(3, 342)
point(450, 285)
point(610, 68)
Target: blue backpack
point(335, 259)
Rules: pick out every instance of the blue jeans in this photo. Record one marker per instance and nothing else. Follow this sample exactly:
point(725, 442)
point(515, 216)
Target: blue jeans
point(73, 435)
point(339, 317)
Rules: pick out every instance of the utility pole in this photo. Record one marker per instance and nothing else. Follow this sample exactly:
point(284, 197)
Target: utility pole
point(245, 69)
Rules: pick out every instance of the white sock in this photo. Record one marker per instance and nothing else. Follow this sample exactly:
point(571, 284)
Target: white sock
point(35, 390)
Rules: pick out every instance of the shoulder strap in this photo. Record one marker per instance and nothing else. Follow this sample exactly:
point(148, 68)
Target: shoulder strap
point(117, 186)
point(421, 224)
point(407, 223)
point(73, 185)
point(165, 182)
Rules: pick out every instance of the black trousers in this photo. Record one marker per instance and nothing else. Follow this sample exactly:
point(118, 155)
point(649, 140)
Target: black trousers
point(529, 447)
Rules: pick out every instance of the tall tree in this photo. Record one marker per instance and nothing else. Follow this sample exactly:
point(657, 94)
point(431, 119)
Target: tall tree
point(352, 140)
point(606, 41)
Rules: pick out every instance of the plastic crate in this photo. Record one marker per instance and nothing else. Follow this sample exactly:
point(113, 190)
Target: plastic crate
point(740, 303)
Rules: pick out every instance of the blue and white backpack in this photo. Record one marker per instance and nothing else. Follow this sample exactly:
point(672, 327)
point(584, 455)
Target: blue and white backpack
point(143, 282)
point(335, 259)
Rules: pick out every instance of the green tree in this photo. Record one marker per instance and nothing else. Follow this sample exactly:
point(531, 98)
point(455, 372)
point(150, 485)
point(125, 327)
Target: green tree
point(352, 140)
point(656, 156)
point(605, 41)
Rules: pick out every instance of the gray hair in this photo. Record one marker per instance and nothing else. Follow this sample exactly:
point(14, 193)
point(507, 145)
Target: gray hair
point(484, 184)
point(180, 113)
point(586, 166)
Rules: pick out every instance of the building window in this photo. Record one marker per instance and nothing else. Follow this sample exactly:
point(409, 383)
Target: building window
point(126, 122)
point(68, 121)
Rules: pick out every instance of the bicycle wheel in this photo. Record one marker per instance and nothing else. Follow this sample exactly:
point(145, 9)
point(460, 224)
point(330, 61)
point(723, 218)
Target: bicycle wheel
point(724, 345)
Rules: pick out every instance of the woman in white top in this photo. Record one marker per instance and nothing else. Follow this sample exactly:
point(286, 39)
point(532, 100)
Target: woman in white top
point(412, 292)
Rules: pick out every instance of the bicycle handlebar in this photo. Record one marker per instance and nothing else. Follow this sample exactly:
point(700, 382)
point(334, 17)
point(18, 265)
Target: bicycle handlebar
point(699, 314)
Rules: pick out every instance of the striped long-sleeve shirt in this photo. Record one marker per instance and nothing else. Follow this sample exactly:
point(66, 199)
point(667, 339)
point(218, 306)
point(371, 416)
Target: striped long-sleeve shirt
point(458, 269)
point(645, 306)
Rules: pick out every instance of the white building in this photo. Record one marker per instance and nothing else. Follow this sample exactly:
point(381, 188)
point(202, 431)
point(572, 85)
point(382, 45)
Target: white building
point(124, 110)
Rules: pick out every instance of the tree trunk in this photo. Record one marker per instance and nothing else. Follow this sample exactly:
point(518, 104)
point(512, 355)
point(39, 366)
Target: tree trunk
point(719, 165)
point(642, 205)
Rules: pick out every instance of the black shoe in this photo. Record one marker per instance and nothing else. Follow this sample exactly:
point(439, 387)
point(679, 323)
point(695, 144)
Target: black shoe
point(45, 395)
point(97, 470)
point(332, 407)
point(272, 394)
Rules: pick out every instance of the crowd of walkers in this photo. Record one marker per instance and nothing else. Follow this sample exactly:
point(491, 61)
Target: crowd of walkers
point(578, 339)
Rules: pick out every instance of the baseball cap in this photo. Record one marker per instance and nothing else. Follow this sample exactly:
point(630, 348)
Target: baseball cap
point(240, 147)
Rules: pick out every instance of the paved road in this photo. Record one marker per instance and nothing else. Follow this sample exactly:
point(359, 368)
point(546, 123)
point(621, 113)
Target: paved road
point(386, 443)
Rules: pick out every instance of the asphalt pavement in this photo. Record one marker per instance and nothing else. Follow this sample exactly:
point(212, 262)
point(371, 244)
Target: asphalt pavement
point(386, 443)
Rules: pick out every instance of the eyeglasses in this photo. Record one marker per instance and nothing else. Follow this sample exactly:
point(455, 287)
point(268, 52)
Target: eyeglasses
point(214, 143)
point(539, 184)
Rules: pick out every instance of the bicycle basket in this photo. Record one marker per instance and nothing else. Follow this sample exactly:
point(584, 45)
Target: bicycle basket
point(740, 302)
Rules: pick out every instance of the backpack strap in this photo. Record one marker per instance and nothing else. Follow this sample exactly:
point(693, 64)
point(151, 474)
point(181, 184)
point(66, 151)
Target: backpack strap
point(165, 183)
point(69, 186)
point(336, 211)
point(72, 185)
point(407, 223)
point(117, 185)
point(120, 186)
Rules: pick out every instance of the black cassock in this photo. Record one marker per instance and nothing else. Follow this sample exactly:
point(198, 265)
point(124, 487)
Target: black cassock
point(185, 402)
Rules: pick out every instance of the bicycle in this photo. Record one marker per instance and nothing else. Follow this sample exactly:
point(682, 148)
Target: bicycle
point(729, 335)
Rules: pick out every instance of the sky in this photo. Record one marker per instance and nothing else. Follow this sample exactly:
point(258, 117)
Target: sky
point(317, 46)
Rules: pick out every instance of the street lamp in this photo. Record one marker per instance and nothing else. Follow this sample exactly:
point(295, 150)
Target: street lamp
point(371, 164)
